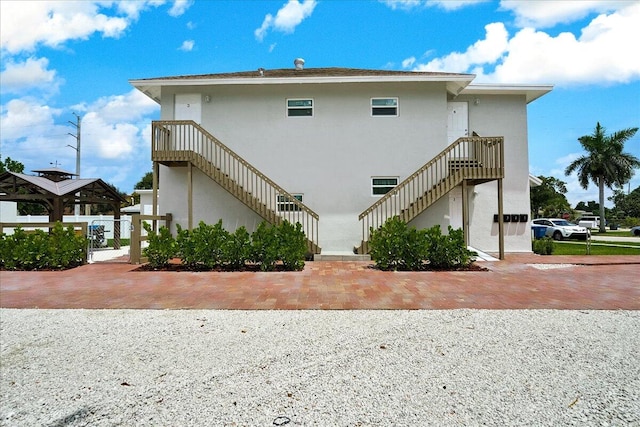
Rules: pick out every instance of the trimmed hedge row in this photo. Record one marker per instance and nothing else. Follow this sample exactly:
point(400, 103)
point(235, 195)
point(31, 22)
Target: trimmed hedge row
point(396, 246)
point(211, 247)
point(38, 250)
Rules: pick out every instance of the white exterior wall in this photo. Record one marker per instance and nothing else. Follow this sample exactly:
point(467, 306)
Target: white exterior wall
point(210, 201)
point(331, 157)
point(502, 116)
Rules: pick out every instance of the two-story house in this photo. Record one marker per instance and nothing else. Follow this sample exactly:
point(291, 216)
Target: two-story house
point(340, 150)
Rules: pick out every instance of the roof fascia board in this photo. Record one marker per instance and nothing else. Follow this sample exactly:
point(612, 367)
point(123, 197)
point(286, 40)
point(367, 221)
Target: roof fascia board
point(532, 92)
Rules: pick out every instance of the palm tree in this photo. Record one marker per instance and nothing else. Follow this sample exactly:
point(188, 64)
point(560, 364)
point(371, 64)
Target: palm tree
point(605, 163)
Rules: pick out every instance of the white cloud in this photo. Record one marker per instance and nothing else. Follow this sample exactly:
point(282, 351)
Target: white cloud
point(600, 55)
point(19, 77)
point(287, 18)
point(52, 23)
point(408, 63)
point(108, 140)
point(129, 107)
point(187, 45)
point(115, 136)
point(179, 7)
point(488, 50)
point(443, 4)
point(541, 14)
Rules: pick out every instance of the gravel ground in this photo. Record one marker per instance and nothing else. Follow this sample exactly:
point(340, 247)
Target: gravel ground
point(325, 368)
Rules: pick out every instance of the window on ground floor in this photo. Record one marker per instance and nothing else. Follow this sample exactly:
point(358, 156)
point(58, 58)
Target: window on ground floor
point(286, 204)
point(382, 185)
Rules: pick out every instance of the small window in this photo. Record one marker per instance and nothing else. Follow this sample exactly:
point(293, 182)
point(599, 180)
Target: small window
point(300, 107)
point(286, 204)
point(384, 107)
point(381, 186)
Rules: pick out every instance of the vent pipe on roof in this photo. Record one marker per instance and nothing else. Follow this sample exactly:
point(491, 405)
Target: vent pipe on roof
point(299, 63)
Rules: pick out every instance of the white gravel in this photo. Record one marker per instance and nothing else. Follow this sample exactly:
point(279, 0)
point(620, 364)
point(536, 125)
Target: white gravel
point(325, 368)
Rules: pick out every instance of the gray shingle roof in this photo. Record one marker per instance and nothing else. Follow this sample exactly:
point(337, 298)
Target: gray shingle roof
point(307, 72)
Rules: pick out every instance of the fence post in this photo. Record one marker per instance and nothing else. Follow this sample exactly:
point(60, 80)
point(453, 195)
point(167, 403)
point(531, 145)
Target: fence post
point(134, 248)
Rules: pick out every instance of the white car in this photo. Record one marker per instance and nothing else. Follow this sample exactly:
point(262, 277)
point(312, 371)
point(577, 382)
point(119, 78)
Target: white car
point(559, 229)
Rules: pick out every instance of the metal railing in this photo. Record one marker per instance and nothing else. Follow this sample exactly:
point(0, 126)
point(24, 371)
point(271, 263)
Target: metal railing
point(186, 141)
point(477, 159)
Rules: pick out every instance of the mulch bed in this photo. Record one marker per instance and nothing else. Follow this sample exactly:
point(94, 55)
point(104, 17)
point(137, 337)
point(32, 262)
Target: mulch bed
point(175, 265)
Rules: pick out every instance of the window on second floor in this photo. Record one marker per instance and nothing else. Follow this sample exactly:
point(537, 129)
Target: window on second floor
point(384, 107)
point(299, 107)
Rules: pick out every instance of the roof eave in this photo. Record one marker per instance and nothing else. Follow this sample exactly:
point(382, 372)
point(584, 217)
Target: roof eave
point(152, 87)
point(531, 92)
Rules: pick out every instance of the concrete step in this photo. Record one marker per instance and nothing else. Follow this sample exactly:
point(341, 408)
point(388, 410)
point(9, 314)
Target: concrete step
point(340, 256)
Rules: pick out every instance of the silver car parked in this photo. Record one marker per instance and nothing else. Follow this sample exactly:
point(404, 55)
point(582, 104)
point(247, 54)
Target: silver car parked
point(559, 229)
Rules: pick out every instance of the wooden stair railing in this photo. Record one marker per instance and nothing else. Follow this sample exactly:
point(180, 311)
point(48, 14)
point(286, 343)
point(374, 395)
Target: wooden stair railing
point(474, 159)
point(179, 142)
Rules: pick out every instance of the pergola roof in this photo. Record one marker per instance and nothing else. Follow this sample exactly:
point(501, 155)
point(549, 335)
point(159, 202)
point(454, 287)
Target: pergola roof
point(18, 187)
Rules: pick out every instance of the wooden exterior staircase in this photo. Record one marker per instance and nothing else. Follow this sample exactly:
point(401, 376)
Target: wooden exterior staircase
point(475, 160)
point(184, 142)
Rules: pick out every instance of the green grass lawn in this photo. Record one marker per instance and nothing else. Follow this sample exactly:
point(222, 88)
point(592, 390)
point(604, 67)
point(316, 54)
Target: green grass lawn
point(123, 242)
point(602, 242)
point(580, 248)
point(621, 233)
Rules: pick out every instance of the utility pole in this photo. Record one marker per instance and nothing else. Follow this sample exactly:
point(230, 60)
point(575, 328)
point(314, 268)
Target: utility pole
point(77, 148)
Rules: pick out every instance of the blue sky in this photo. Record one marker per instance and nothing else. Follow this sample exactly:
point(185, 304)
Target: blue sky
point(64, 57)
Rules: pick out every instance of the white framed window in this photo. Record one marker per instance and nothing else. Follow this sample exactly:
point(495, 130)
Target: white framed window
point(286, 204)
point(384, 107)
point(300, 107)
point(381, 185)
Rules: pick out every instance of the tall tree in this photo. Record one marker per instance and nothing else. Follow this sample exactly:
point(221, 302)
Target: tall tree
point(24, 208)
point(605, 163)
point(549, 197)
point(10, 165)
point(145, 183)
point(627, 205)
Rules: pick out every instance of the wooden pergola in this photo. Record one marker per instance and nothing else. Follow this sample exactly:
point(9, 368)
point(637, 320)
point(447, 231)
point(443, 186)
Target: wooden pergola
point(55, 189)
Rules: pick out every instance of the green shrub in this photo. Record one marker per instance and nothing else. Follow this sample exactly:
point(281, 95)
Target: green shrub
point(204, 245)
point(37, 250)
point(292, 245)
point(544, 246)
point(186, 248)
point(395, 246)
point(162, 246)
point(265, 247)
point(237, 250)
point(447, 251)
point(66, 248)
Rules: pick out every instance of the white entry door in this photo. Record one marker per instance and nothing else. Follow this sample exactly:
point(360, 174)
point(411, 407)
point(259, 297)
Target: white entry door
point(457, 120)
point(457, 126)
point(188, 106)
point(455, 207)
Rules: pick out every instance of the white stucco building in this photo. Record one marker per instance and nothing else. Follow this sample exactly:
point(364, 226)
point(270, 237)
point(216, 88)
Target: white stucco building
point(341, 150)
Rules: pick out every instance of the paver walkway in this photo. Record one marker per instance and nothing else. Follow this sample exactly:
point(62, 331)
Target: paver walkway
point(523, 281)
